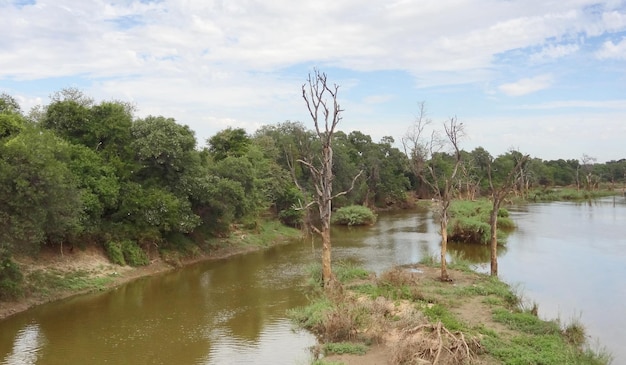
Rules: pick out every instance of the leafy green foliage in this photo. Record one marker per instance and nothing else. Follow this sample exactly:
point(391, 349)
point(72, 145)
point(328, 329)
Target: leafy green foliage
point(39, 199)
point(354, 215)
point(11, 277)
point(115, 253)
point(229, 142)
point(470, 221)
point(126, 252)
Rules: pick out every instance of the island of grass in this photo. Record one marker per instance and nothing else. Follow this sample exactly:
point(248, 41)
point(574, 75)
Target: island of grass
point(408, 316)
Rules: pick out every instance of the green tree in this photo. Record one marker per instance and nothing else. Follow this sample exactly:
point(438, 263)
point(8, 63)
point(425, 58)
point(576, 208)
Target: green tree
point(8, 105)
point(229, 142)
point(502, 173)
point(165, 153)
point(98, 185)
point(39, 199)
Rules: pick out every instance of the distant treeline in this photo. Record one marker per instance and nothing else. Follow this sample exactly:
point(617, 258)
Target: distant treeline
point(77, 172)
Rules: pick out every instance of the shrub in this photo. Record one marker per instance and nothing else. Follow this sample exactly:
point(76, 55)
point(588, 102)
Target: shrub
point(126, 252)
point(291, 217)
point(354, 215)
point(114, 252)
point(133, 254)
point(470, 222)
point(10, 277)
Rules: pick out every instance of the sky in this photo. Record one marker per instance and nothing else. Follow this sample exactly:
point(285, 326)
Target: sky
point(547, 78)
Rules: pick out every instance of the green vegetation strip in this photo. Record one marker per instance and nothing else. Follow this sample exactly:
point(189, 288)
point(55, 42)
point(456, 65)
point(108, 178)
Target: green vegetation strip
point(45, 282)
point(405, 300)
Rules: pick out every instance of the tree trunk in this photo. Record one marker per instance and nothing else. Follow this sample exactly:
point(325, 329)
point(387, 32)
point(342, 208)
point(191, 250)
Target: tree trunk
point(327, 273)
point(444, 249)
point(493, 222)
point(325, 213)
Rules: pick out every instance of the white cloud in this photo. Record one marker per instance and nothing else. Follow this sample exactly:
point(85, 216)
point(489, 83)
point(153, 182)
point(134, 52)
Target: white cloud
point(570, 104)
point(65, 37)
point(610, 50)
point(552, 52)
point(527, 85)
point(213, 63)
point(377, 99)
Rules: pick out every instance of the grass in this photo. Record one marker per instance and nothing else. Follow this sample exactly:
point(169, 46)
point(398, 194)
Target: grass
point(566, 194)
point(344, 271)
point(438, 312)
point(547, 349)
point(526, 322)
point(341, 348)
point(263, 233)
point(45, 282)
point(326, 362)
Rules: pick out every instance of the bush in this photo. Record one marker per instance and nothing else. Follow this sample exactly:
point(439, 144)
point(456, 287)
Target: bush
point(126, 252)
point(114, 252)
point(354, 215)
point(133, 254)
point(10, 278)
point(470, 222)
point(291, 217)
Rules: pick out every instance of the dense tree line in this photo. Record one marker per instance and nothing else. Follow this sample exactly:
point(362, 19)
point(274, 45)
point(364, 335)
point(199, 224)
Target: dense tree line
point(77, 172)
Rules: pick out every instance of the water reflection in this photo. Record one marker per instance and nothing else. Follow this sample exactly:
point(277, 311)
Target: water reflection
point(28, 341)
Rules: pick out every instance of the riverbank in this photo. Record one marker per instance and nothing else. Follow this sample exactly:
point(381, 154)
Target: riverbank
point(407, 316)
point(53, 276)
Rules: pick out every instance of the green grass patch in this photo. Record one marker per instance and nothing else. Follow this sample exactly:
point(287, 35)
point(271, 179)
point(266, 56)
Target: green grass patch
point(546, 349)
point(45, 282)
point(494, 291)
point(263, 233)
point(525, 322)
point(311, 315)
point(566, 194)
point(344, 271)
point(437, 312)
point(266, 233)
point(326, 362)
point(341, 348)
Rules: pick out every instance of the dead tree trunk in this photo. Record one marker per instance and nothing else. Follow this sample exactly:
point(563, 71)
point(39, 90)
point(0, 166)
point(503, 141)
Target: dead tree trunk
point(325, 118)
point(442, 185)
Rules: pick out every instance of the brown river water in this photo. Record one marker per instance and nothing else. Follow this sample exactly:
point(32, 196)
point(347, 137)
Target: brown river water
point(569, 258)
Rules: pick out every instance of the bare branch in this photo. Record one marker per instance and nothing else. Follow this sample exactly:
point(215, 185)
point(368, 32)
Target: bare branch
point(351, 186)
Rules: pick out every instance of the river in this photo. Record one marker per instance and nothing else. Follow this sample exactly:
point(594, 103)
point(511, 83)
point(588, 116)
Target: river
point(569, 258)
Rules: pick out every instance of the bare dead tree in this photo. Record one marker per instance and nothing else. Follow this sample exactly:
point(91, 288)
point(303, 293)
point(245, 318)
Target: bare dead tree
point(325, 117)
point(416, 148)
point(441, 184)
point(498, 194)
point(587, 163)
